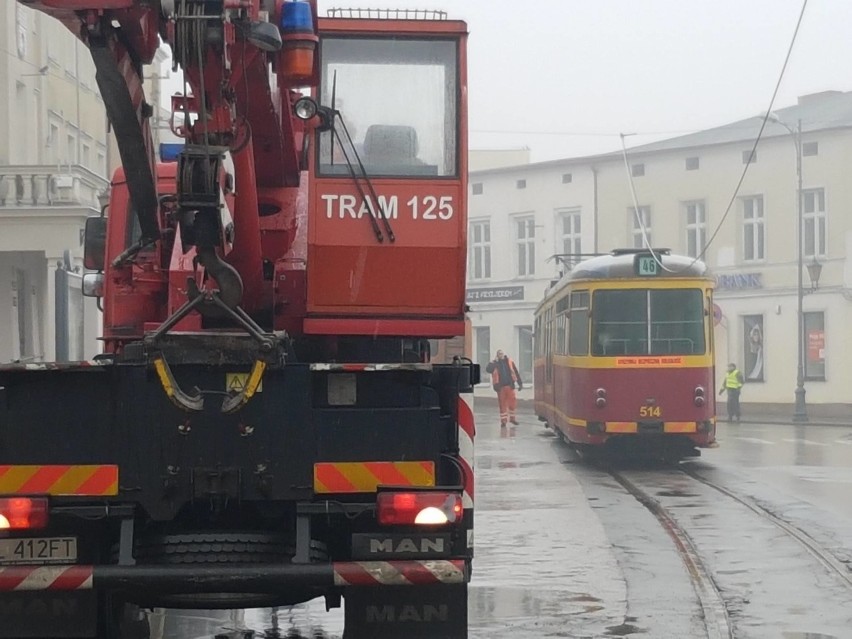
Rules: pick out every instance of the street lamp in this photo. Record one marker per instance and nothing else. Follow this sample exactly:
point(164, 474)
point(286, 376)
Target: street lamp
point(800, 410)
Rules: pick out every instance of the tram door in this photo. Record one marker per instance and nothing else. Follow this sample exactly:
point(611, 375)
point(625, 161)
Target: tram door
point(549, 334)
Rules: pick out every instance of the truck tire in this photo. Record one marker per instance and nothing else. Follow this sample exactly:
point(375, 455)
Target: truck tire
point(223, 548)
point(210, 548)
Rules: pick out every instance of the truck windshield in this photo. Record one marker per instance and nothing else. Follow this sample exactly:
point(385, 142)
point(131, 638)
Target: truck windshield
point(399, 100)
point(648, 322)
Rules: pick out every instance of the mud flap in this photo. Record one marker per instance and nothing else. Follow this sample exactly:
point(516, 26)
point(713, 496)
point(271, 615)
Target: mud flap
point(48, 614)
point(403, 612)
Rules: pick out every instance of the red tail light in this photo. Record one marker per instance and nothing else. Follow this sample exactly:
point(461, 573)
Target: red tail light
point(420, 507)
point(22, 513)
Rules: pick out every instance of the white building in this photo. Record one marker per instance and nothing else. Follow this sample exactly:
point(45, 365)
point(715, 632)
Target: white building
point(685, 190)
point(53, 161)
point(520, 218)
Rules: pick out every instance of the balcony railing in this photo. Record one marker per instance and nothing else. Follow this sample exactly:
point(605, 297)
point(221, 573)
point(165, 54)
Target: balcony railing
point(37, 186)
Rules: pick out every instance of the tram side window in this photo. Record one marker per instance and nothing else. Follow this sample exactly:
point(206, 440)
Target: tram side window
point(578, 324)
point(620, 322)
point(677, 322)
point(562, 310)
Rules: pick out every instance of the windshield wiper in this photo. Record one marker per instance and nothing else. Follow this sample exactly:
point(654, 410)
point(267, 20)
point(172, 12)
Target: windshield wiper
point(372, 201)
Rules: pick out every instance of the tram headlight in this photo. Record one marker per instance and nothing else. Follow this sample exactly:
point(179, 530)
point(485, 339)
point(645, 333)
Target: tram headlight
point(600, 397)
point(698, 396)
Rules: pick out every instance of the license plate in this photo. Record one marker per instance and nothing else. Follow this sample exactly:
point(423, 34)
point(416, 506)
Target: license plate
point(38, 550)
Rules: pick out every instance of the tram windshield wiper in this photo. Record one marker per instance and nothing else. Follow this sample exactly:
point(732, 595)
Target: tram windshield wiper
point(356, 169)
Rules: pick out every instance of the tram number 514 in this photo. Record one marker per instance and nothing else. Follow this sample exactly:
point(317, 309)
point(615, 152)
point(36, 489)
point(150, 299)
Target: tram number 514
point(650, 411)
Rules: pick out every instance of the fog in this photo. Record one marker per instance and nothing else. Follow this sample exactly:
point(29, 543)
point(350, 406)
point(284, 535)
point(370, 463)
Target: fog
point(565, 77)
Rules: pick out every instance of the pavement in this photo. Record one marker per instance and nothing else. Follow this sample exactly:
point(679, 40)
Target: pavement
point(786, 420)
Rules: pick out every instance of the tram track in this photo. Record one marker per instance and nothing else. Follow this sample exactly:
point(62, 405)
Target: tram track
point(824, 556)
point(715, 613)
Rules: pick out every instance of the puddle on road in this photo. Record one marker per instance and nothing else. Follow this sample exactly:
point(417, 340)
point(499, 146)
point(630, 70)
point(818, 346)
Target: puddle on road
point(624, 630)
point(489, 604)
point(675, 493)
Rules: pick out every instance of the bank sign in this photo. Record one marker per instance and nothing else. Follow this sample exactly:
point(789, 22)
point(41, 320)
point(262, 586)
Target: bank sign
point(495, 294)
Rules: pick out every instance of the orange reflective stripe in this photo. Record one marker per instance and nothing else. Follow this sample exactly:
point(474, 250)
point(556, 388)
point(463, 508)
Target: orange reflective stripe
point(329, 479)
point(366, 477)
point(621, 427)
point(680, 427)
point(87, 480)
point(104, 481)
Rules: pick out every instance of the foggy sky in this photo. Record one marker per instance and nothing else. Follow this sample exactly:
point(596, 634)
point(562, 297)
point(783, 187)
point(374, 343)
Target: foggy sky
point(583, 68)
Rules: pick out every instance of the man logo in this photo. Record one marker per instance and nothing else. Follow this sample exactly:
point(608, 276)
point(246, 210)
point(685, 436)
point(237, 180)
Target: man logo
point(425, 613)
point(406, 545)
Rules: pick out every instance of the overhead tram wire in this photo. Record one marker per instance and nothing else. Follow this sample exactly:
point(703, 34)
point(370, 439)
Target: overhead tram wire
point(752, 153)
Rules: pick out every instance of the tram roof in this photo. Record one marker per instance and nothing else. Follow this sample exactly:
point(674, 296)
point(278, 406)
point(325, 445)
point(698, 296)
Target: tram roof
point(619, 264)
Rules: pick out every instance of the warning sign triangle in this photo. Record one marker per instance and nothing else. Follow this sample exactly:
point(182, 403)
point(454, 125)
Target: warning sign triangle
point(237, 382)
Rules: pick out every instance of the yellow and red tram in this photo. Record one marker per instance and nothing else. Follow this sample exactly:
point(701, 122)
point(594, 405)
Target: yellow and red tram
point(624, 352)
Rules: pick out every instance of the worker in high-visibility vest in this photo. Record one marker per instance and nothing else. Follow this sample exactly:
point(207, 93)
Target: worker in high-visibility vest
point(732, 385)
point(504, 377)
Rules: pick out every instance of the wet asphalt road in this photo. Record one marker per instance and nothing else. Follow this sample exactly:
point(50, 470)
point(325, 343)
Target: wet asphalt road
point(563, 551)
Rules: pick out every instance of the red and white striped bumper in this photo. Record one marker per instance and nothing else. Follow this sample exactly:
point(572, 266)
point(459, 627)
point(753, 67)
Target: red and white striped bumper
point(399, 573)
point(253, 578)
point(45, 578)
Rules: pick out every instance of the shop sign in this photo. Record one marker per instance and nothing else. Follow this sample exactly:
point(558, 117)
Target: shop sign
point(495, 294)
point(738, 281)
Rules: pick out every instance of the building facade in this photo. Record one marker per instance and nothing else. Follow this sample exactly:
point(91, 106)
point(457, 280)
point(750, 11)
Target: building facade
point(53, 163)
point(523, 221)
point(687, 197)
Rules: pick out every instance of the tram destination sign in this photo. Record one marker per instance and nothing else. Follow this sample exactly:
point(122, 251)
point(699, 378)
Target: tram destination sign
point(495, 294)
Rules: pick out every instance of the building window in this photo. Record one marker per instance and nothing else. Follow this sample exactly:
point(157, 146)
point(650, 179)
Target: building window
point(749, 157)
point(753, 229)
point(71, 148)
point(525, 245)
point(480, 250)
point(637, 170)
point(54, 141)
point(810, 148)
point(567, 178)
point(570, 233)
point(696, 227)
point(815, 345)
point(86, 156)
point(813, 214)
point(102, 167)
point(476, 187)
point(482, 334)
point(521, 184)
point(525, 352)
point(637, 223)
point(692, 164)
point(753, 364)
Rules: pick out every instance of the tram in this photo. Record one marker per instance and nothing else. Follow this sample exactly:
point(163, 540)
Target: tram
point(624, 353)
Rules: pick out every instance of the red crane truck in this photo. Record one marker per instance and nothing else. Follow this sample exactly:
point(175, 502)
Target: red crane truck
point(263, 426)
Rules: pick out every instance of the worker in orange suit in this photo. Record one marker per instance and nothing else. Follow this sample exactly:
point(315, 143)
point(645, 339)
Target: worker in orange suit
point(504, 377)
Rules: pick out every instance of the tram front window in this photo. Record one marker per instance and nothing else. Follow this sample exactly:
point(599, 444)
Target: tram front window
point(648, 322)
